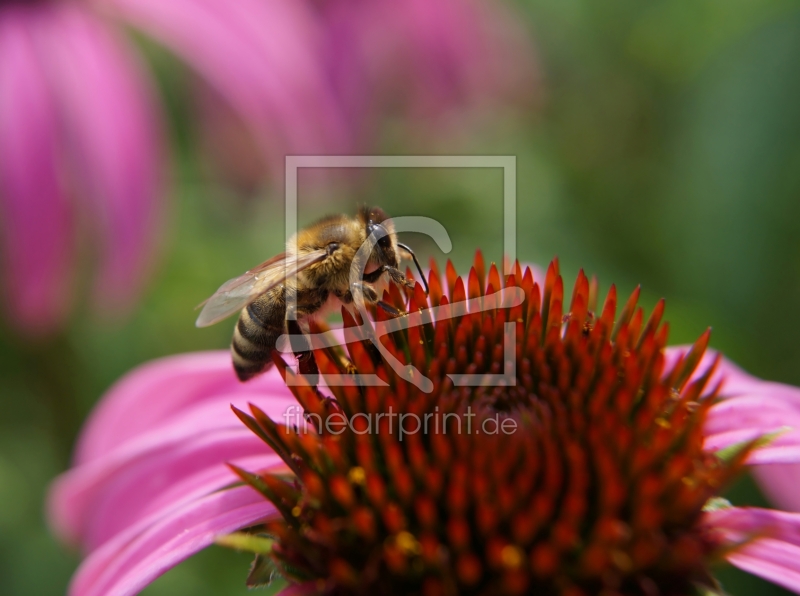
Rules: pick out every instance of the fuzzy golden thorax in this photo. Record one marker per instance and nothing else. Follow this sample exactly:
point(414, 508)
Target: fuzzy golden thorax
point(342, 236)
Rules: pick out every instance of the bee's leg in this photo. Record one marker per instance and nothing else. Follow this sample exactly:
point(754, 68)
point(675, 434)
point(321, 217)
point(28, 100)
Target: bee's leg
point(396, 275)
point(306, 363)
point(395, 312)
point(306, 303)
point(371, 296)
point(308, 369)
point(367, 291)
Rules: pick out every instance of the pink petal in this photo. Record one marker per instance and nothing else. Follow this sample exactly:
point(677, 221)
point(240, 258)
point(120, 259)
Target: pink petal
point(736, 380)
point(729, 439)
point(160, 438)
point(752, 404)
point(37, 239)
point(161, 389)
point(93, 502)
point(125, 565)
point(781, 525)
point(738, 419)
point(775, 454)
point(752, 411)
point(779, 482)
point(775, 557)
point(113, 143)
point(772, 560)
point(193, 436)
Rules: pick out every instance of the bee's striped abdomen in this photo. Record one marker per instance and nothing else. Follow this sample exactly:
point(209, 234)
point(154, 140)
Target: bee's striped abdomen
point(260, 325)
point(257, 331)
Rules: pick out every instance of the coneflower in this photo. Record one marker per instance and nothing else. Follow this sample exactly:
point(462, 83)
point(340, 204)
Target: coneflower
point(579, 455)
point(584, 473)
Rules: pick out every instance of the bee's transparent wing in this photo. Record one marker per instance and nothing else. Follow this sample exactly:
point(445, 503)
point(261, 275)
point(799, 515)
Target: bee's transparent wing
point(237, 293)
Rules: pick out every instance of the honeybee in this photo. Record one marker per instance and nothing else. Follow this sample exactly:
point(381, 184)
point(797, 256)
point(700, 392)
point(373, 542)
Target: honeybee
point(313, 275)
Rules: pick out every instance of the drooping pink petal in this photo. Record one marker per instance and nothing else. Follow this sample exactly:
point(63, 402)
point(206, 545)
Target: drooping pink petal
point(92, 502)
point(751, 410)
point(35, 214)
point(772, 560)
point(777, 405)
point(750, 404)
point(775, 455)
point(111, 141)
point(125, 564)
point(735, 420)
point(261, 57)
point(152, 393)
point(736, 380)
point(781, 525)
point(779, 482)
point(167, 421)
point(775, 556)
point(731, 438)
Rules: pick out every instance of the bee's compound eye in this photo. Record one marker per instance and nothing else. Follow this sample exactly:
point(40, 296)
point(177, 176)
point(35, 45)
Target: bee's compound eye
point(383, 239)
point(332, 247)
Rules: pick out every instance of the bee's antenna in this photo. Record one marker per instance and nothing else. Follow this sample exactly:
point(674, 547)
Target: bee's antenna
point(416, 262)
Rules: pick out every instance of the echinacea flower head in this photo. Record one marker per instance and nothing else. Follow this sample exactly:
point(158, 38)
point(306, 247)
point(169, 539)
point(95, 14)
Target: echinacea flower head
point(584, 472)
point(560, 448)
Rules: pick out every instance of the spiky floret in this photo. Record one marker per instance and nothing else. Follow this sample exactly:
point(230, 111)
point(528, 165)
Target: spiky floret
point(599, 489)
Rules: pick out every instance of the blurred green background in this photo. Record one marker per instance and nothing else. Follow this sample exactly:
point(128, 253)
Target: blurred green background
point(665, 151)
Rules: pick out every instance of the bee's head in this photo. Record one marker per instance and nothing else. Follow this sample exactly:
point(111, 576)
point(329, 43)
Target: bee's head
point(378, 225)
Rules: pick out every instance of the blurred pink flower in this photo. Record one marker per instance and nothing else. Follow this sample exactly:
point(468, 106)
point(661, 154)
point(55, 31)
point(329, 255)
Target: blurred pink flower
point(262, 58)
point(339, 73)
point(429, 61)
point(80, 153)
point(81, 145)
point(150, 486)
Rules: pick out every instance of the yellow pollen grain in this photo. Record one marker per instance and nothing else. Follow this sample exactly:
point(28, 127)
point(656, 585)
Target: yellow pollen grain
point(621, 560)
point(663, 423)
point(296, 511)
point(511, 556)
point(406, 542)
point(356, 475)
